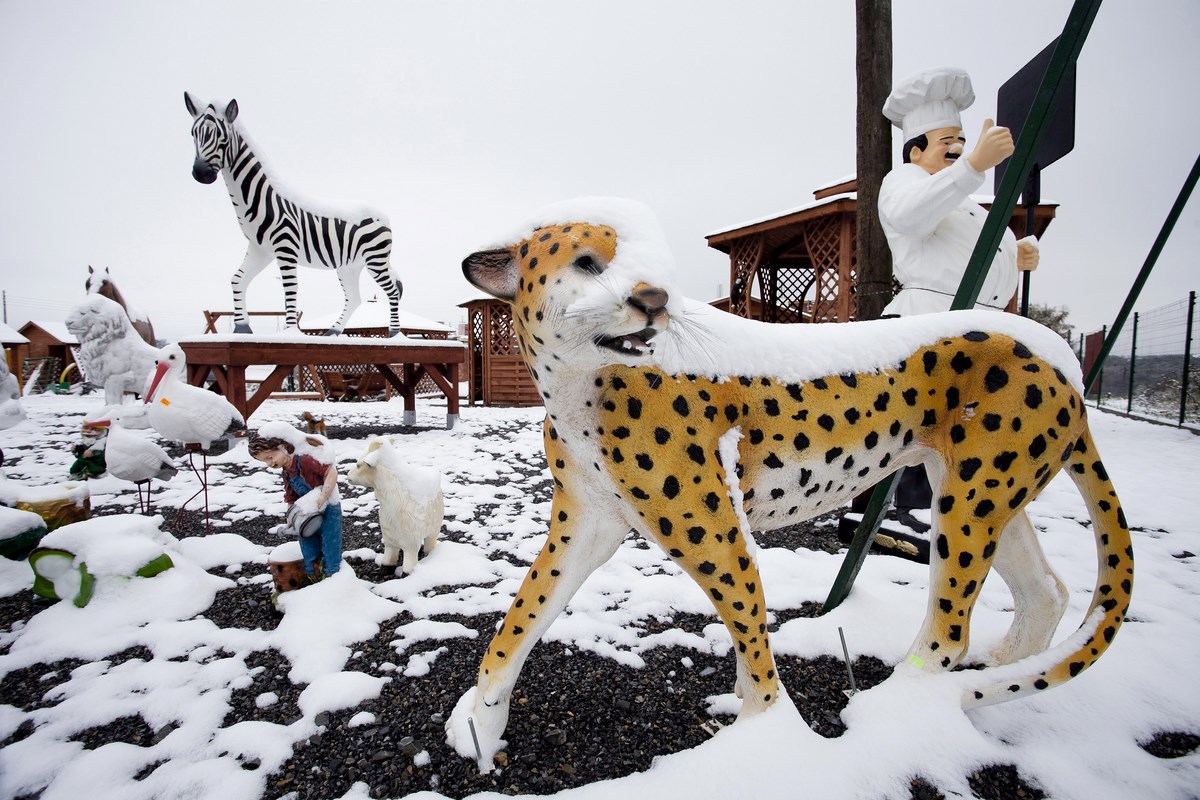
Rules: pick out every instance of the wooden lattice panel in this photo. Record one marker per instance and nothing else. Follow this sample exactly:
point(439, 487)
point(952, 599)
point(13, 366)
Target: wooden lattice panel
point(498, 371)
point(744, 259)
point(501, 338)
point(822, 238)
point(850, 268)
point(476, 330)
point(790, 286)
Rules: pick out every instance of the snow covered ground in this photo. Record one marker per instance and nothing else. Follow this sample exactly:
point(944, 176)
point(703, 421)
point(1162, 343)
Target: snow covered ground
point(1078, 741)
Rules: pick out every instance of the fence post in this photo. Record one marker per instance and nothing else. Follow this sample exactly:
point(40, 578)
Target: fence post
point(1100, 373)
point(1187, 357)
point(1132, 359)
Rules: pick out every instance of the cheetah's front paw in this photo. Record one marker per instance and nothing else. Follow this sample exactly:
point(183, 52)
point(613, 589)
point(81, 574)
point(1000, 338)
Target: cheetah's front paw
point(488, 723)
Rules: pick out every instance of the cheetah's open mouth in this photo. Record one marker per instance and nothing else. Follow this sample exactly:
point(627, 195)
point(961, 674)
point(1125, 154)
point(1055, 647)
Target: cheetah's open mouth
point(637, 343)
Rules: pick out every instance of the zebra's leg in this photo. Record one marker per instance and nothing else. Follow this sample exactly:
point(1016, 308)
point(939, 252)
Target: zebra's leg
point(255, 262)
point(379, 265)
point(348, 275)
point(288, 272)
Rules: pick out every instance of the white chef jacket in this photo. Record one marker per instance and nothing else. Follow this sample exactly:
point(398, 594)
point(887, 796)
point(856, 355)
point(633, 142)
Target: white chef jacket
point(932, 225)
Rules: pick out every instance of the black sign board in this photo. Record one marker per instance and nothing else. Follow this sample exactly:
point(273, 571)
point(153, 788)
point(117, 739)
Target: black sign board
point(1012, 109)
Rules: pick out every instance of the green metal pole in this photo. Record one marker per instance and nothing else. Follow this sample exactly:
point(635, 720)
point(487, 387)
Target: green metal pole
point(864, 535)
point(1187, 358)
point(1066, 52)
point(1165, 233)
point(1132, 367)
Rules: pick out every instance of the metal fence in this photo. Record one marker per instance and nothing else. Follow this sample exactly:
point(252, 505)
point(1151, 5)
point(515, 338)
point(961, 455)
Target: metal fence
point(1153, 369)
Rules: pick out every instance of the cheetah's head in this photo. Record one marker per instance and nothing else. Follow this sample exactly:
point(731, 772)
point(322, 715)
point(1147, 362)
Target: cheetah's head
point(586, 282)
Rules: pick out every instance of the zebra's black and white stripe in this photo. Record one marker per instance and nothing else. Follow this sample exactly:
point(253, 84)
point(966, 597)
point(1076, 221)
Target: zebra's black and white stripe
point(278, 228)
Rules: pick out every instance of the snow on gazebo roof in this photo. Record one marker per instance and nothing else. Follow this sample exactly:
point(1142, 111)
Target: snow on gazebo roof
point(9, 335)
point(845, 179)
point(841, 189)
point(778, 215)
point(57, 329)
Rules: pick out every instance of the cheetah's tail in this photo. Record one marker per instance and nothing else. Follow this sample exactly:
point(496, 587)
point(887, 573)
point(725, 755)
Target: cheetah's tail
point(1110, 600)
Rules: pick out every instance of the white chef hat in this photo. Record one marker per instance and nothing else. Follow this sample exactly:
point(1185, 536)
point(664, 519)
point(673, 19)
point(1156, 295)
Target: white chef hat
point(929, 100)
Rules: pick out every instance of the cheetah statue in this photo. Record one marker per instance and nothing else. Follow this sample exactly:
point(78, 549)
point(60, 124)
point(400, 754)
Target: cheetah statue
point(695, 427)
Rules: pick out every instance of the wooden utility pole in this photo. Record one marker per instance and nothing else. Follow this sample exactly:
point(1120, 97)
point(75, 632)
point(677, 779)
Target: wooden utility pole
point(873, 66)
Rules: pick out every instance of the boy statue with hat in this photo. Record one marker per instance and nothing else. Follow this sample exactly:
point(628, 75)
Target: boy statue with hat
point(932, 224)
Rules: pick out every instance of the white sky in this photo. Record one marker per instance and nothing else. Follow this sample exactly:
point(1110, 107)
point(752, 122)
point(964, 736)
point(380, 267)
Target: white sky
point(458, 118)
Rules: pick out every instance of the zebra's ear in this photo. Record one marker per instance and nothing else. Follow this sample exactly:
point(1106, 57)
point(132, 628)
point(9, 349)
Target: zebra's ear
point(231, 111)
point(191, 104)
point(493, 271)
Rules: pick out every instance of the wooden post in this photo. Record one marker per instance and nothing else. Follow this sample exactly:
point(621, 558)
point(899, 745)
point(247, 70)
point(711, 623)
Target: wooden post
point(873, 65)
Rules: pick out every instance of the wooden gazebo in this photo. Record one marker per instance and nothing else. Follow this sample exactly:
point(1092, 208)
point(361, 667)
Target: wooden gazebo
point(801, 263)
point(496, 372)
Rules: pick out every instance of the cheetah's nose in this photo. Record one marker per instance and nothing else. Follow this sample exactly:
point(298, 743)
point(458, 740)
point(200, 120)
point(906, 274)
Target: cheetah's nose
point(649, 299)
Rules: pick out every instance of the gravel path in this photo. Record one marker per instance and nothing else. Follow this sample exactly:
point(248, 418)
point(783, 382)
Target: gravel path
point(572, 729)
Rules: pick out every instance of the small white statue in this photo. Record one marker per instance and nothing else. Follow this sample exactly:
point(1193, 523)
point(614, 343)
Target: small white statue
point(411, 506)
point(11, 410)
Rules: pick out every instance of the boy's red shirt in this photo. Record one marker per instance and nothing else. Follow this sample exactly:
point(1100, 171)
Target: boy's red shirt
point(312, 470)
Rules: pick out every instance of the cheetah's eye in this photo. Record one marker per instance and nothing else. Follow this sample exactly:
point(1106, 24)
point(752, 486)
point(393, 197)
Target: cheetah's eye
point(588, 264)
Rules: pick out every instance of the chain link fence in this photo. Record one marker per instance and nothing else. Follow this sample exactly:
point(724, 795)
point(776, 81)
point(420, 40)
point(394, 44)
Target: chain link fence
point(1153, 369)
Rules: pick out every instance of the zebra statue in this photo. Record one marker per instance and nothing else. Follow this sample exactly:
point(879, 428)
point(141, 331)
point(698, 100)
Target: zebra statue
point(278, 228)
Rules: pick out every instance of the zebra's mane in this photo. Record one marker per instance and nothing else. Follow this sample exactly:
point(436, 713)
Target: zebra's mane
point(289, 192)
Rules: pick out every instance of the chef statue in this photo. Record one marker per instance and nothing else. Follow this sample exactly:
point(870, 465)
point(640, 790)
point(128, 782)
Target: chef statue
point(932, 224)
point(925, 207)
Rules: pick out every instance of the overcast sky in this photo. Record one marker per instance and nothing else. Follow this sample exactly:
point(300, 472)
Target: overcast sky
point(458, 118)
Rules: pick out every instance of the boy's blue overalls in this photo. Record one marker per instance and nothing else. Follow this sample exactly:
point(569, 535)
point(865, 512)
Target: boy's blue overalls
point(328, 544)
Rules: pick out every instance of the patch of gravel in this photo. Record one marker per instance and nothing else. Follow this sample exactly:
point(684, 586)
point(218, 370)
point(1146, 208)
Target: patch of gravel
point(1002, 782)
point(1171, 744)
point(576, 717)
point(129, 729)
point(271, 697)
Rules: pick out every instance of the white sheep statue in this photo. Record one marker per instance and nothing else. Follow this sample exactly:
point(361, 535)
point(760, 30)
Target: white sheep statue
point(410, 503)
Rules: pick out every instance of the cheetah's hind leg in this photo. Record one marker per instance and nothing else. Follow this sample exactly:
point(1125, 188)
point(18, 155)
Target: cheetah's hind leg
point(1039, 596)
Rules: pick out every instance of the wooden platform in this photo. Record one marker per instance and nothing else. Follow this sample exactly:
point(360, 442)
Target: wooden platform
point(225, 358)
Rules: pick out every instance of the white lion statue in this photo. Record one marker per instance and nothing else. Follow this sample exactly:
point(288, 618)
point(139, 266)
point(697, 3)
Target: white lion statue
point(111, 354)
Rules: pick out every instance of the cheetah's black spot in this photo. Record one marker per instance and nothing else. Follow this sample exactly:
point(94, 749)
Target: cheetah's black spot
point(995, 380)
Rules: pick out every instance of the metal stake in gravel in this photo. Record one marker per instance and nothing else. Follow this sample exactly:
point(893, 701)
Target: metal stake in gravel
point(475, 738)
point(853, 690)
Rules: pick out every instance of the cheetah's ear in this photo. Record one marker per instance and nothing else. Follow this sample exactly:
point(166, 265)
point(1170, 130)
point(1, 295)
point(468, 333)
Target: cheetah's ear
point(493, 271)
